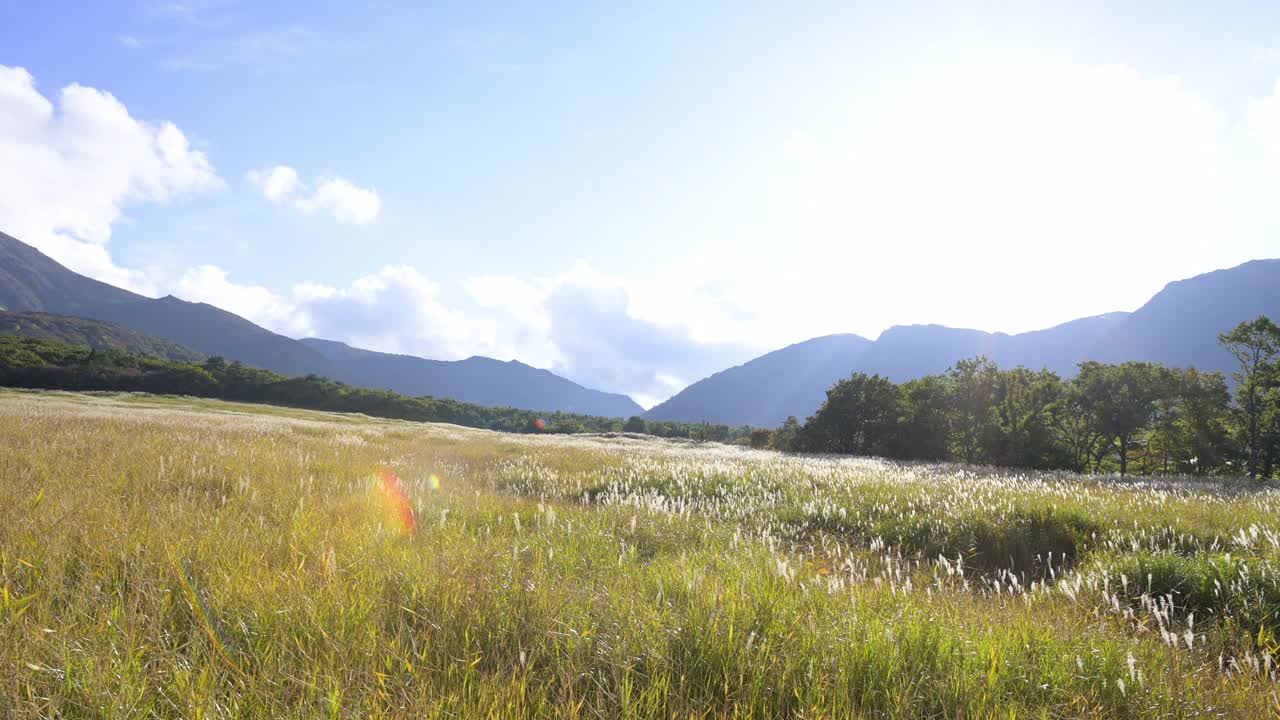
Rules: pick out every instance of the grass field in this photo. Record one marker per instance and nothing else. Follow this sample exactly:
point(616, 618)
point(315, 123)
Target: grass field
point(162, 557)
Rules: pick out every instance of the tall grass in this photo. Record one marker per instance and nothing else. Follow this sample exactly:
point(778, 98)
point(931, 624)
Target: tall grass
point(168, 559)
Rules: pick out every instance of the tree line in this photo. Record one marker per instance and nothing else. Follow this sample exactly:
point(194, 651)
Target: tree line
point(1131, 417)
point(45, 364)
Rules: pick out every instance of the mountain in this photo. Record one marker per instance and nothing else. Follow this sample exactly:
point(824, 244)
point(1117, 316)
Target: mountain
point(903, 353)
point(795, 379)
point(479, 380)
point(764, 391)
point(31, 281)
point(92, 333)
point(1178, 327)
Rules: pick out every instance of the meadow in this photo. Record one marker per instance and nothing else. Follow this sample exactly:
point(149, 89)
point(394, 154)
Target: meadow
point(176, 558)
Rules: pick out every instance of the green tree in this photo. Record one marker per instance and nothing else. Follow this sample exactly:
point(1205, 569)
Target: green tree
point(973, 398)
point(1022, 436)
point(761, 438)
point(860, 417)
point(1122, 400)
point(926, 419)
point(1269, 435)
point(1074, 426)
point(1255, 345)
point(635, 424)
point(1204, 409)
point(787, 437)
point(1164, 442)
point(700, 432)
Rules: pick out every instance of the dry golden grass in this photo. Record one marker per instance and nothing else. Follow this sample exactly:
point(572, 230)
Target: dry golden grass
point(162, 557)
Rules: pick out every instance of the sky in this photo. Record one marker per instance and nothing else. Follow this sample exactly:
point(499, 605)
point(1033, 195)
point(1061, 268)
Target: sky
point(636, 195)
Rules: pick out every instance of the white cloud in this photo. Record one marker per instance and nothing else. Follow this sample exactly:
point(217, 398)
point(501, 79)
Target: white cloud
point(396, 309)
point(345, 201)
point(70, 169)
point(399, 310)
point(209, 283)
point(589, 327)
point(578, 324)
point(277, 183)
point(1263, 122)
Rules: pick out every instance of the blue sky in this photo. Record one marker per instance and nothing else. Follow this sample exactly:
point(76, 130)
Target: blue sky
point(636, 195)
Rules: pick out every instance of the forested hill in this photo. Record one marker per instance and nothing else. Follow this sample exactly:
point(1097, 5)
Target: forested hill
point(92, 333)
point(44, 364)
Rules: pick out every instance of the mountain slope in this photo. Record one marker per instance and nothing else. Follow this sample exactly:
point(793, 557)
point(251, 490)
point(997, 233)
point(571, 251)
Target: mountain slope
point(479, 380)
point(1181, 323)
point(1178, 327)
point(92, 333)
point(764, 391)
point(794, 380)
point(31, 281)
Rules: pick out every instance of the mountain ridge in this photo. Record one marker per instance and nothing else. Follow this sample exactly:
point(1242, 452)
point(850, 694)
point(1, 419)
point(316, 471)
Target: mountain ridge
point(1177, 326)
point(30, 281)
point(482, 380)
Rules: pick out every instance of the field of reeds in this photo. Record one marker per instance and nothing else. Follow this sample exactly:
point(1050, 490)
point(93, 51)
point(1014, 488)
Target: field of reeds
point(196, 559)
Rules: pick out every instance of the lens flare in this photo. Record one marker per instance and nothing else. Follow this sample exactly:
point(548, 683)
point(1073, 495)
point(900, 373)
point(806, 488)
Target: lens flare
point(433, 481)
point(398, 501)
point(540, 424)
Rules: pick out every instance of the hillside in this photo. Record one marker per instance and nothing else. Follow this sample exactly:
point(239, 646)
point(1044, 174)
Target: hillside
point(764, 391)
point(91, 333)
point(31, 281)
point(1181, 323)
point(479, 380)
point(1179, 327)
